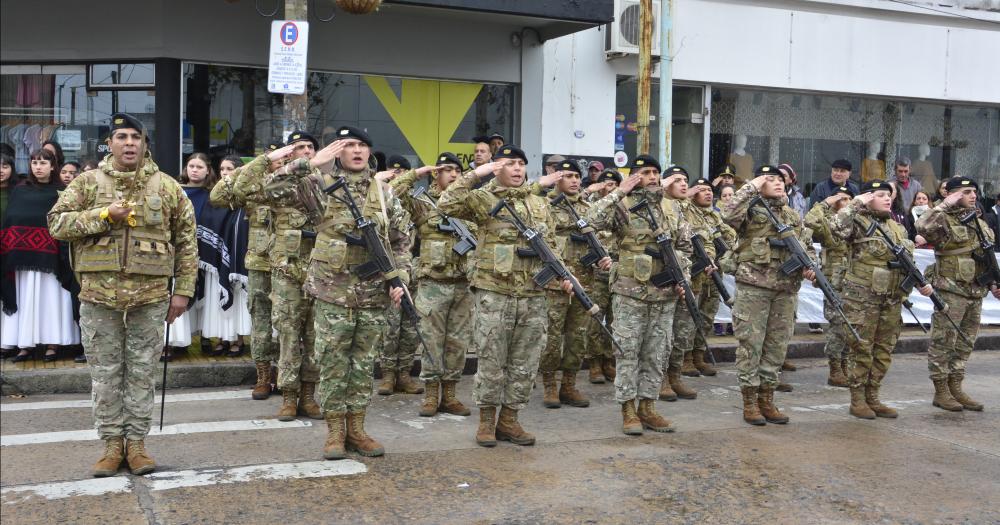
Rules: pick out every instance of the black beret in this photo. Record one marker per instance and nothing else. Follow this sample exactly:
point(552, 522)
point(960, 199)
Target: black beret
point(958, 183)
point(570, 165)
point(126, 121)
point(299, 136)
point(675, 170)
point(350, 132)
point(846, 190)
point(767, 169)
point(493, 136)
point(272, 146)
point(843, 164)
point(398, 162)
point(450, 158)
point(874, 185)
point(510, 151)
point(645, 161)
point(700, 182)
point(610, 174)
point(480, 138)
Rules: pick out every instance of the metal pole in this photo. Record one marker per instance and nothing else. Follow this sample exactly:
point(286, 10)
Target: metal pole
point(666, 117)
point(296, 106)
point(645, 74)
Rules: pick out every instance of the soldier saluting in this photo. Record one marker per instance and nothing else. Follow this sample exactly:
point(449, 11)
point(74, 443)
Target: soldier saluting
point(132, 229)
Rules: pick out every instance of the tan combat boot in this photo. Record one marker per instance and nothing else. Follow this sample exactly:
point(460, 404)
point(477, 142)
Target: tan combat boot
point(787, 366)
point(765, 402)
point(568, 393)
point(631, 425)
point(307, 401)
point(550, 397)
point(702, 365)
point(873, 402)
point(667, 393)
point(262, 388)
point(289, 405)
point(650, 418)
point(111, 461)
point(406, 385)
point(955, 386)
point(942, 396)
point(508, 429)
point(432, 393)
point(388, 384)
point(274, 380)
point(783, 387)
point(335, 435)
point(449, 400)
point(859, 405)
point(837, 377)
point(596, 373)
point(751, 413)
point(138, 459)
point(678, 386)
point(608, 366)
point(486, 433)
point(687, 367)
point(357, 439)
point(845, 369)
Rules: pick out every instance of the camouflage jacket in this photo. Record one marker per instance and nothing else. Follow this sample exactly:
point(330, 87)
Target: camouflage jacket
point(869, 256)
point(120, 266)
point(835, 250)
point(256, 212)
point(571, 250)
point(607, 239)
point(498, 268)
point(955, 269)
point(758, 261)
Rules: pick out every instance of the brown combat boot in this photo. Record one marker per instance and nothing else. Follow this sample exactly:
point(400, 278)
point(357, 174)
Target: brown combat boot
point(289, 405)
point(751, 413)
point(873, 402)
point(388, 384)
point(550, 398)
point(667, 393)
point(568, 393)
point(837, 377)
point(859, 406)
point(765, 402)
point(678, 386)
point(955, 386)
point(486, 433)
point(508, 429)
point(449, 400)
point(406, 385)
point(432, 391)
point(650, 419)
point(631, 425)
point(702, 365)
point(138, 459)
point(845, 369)
point(687, 367)
point(307, 402)
point(783, 387)
point(608, 366)
point(357, 439)
point(596, 373)
point(274, 380)
point(335, 435)
point(111, 461)
point(942, 396)
point(787, 366)
point(262, 388)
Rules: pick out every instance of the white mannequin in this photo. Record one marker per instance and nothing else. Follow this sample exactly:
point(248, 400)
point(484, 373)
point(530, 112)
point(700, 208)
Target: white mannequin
point(741, 160)
point(924, 151)
point(923, 170)
point(872, 168)
point(741, 145)
point(873, 149)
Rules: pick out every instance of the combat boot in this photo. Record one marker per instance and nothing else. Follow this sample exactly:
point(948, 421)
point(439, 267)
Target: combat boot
point(765, 402)
point(837, 377)
point(406, 385)
point(335, 430)
point(550, 397)
point(486, 433)
point(845, 369)
point(942, 396)
point(859, 406)
point(388, 384)
point(307, 401)
point(608, 366)
point(787, 366)
point(650, 419)
point(596, 373)
point(783, 387)
point(357, 440)
point(631, 425)
point(667, 393)
point(262, 388)
point(289, 405)
point(274, 380)
point(687, 367)
point(138, 459)
point(568, 393)
point(871, 398)
point(955, 386)
point(449, 400)
point(751, 413)
point(678, 386)
point(432, 390)
point(508, 429)
point(111, 461)
point(702, 365)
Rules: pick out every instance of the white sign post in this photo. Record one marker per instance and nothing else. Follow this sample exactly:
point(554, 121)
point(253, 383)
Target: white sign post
point(286, 68)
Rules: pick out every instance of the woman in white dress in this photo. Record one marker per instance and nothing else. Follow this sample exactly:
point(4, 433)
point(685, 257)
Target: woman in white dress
point(239, 312)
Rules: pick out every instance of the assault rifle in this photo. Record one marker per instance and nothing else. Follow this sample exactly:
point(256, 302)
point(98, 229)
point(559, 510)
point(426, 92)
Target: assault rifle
point(553, 267)
point(800, 261)
point(702, 262)
point(986, 256)
point(587, 234)
point(720, 244)
point(466, 241)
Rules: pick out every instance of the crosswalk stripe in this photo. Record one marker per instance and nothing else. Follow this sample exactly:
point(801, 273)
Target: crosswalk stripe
point(66, 489)
point(842, 406)
point(180, 428)
point(87, 403)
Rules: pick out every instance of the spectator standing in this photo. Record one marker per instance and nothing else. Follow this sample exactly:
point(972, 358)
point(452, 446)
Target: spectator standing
point(840, 174)
point(905, 185)
point(795, 197)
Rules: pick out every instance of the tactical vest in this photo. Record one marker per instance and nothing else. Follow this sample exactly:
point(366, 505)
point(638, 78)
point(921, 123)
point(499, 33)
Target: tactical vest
point(143, 249)
point(636, 236)
point(260, 229)
point(870, 258)
point(954, 256)
point(289, 223)
point(332, 248)
point(438, 259)
point(755, 246)
point(500, 241)
point(570, 250)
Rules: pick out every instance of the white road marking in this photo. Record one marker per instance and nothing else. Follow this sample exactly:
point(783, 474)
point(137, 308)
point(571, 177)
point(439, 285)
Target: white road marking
point(419, 423)
point(66, 489)
point(842, 406)
point(87, 403)
point(181, 428)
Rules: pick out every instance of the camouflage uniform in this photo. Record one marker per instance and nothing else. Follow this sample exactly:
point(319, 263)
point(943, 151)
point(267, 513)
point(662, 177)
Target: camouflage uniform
point(600, 351)
point(124, 274)
point(399, 342)
point(834, 258)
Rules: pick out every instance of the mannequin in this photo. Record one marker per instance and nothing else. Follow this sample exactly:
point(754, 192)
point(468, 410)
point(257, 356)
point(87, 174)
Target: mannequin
point(741, 160)
point(872, 168)
point(922, 169)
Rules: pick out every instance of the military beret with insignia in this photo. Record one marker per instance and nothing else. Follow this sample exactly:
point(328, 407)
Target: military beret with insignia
point(767, 169)
point(610, 174)
point(300, 136)
point(126, 121)
point(874, 185)
point(570, 165)
point(846, 190)
point(842, 164)
point(450, 158)
point(510, 151)
point(398, 162)
point(728, 171)
point(958, 183)
point(350, 132)
point(700, 182)
point(645, 161)
point(273, 146)
point(675, 170)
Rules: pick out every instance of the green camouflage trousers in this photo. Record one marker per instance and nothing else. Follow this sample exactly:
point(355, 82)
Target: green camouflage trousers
point(763, 321)
point(708, 304)
point(643, 330)
point(684, 328)
point(948, 353)
point(878, 322)
point(346, 343)
point(122, 350)
point(598, 344)
point(567, 333)
point(262, 346)
point(508, 334)
point(836, 332)
point(445, 310)
point(399, 341)
point(291, 315)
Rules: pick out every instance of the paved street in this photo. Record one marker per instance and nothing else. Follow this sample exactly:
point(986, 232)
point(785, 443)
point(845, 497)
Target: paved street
point(223, 458)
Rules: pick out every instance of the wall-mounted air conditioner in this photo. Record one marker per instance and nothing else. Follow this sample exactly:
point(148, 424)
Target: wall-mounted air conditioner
point(621, 37)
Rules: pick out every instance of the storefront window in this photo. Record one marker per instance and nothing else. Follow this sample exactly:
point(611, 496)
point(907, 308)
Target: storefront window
point(687, 134)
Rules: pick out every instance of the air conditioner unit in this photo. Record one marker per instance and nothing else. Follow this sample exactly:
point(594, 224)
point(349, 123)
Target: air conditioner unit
point(621, 37)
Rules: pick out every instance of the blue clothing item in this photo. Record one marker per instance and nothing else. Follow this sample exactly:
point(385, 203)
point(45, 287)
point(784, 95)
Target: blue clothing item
point(825, 189)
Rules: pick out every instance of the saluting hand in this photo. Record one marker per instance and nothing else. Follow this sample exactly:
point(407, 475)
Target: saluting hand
point(547, 181)
point(490, 168)
point(758, 182)
point(424, 170)
point(832, 200)
point(178, 305)
point(952, 198)
point(327, 154)
point(281, 153)
point(865, 198)
point(630, 182)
